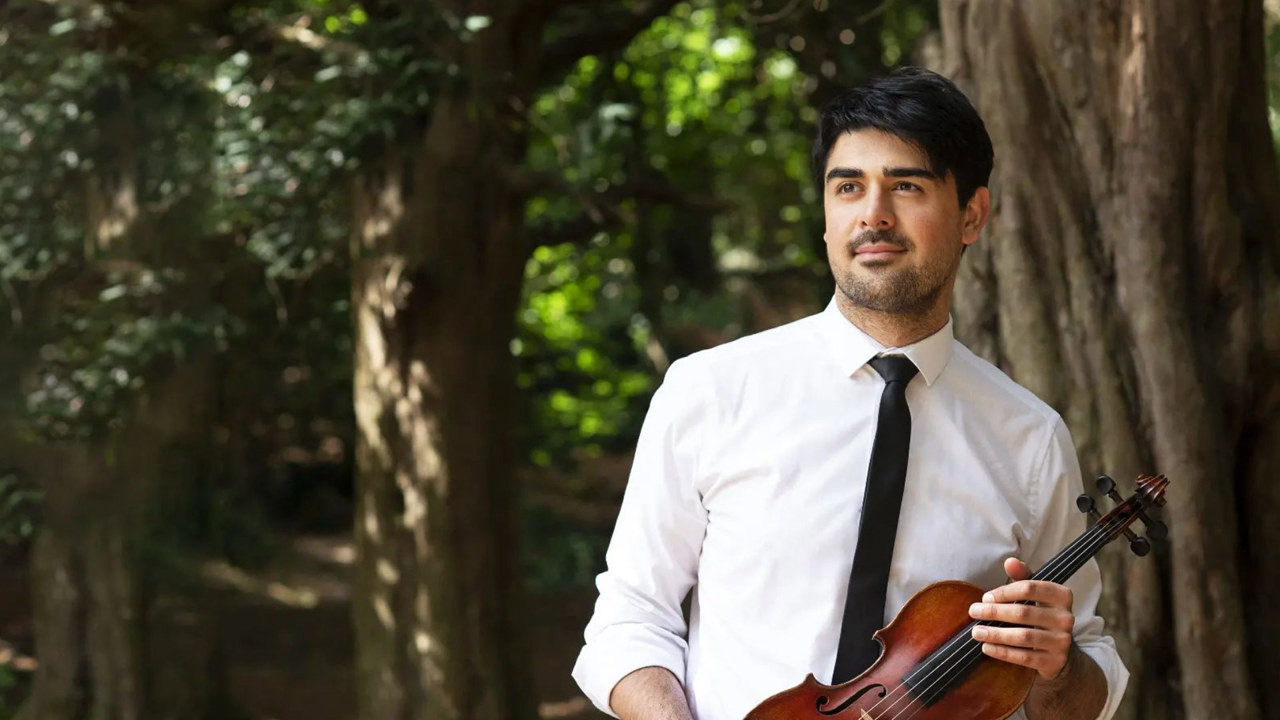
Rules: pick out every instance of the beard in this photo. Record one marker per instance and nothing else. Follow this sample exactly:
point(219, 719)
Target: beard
point(899, 291)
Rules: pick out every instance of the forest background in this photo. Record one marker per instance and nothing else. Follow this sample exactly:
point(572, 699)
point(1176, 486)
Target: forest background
point(327, 327)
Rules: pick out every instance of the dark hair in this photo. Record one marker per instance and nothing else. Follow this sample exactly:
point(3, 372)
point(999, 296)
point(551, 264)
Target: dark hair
point(922, 108)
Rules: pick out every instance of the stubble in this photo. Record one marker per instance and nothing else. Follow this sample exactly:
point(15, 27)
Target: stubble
point(907, 290)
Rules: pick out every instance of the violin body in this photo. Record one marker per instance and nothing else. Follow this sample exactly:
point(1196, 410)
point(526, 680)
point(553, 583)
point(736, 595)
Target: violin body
point(991, 691)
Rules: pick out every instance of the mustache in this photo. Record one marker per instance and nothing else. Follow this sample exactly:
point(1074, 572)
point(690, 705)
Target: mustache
point(888, 237)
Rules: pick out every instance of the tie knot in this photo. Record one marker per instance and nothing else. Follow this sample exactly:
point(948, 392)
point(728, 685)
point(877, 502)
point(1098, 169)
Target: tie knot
point(894, 368)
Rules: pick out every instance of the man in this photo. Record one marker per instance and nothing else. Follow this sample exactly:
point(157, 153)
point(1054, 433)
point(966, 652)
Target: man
point(760, 474)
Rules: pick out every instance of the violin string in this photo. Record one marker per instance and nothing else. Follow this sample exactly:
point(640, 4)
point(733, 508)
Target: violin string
point(969, 658)
point(974, 652)
point(946, 665)
point(1083, 543)
point(1086, 543)
point(955, 644)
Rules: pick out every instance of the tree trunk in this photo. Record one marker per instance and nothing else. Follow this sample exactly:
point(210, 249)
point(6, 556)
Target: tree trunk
point(1129, 276)
point(100, 639)
point(439, 572)
point(102, 643)
point(88, 595)
point(438, 263)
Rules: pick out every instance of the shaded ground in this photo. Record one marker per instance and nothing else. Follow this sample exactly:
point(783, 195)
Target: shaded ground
point(288, 639)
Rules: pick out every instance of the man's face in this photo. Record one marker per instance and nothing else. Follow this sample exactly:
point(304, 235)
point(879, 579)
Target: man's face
point(894, 230)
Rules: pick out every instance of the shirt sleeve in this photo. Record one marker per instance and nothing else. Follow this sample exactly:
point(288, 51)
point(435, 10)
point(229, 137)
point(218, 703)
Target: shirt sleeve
point(1060, 522)
point(652, 560)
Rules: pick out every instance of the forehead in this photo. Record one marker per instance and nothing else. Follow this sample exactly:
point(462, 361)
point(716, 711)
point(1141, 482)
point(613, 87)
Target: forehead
point(872, 150)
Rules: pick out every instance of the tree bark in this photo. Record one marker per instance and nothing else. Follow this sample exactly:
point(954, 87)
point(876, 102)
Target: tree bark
point(1129, 276)
point(101, 640)
point(438, 571)
point(438, 263)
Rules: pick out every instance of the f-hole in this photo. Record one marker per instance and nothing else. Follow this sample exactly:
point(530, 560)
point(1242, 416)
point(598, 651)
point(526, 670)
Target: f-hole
point(852, 699)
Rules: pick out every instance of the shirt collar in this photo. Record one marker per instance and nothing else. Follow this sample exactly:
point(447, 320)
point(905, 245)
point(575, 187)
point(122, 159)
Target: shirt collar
point(853, 348)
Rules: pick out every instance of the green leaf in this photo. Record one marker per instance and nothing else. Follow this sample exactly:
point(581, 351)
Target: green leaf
point(62, 27)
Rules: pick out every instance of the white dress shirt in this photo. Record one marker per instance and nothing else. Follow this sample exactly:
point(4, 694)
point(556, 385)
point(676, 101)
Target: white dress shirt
point(747, 488)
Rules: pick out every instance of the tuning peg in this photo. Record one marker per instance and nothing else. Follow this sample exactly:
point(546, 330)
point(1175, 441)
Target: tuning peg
point(1139, 545)
point(1157, 529)
point(1108, 486)
point(1086, 505)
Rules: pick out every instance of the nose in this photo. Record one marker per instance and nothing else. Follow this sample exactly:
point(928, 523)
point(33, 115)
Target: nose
point(877, 213)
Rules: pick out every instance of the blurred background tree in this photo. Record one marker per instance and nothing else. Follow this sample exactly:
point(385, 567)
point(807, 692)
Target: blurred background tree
point(403, 276)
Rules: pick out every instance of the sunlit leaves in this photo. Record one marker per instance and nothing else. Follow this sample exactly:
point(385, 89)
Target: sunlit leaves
point(102, 349)
point(692, 101)
point(576, 353)
point(48, 126)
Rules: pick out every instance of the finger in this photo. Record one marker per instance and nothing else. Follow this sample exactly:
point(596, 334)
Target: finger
point(1016, 569)
point(1024, 637)
point(1039, 616)
point(1047, 664)
point(1038, 591)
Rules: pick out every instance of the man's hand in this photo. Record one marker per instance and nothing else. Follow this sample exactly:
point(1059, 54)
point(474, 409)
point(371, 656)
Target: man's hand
point(1044, 641)
point(1070, 685)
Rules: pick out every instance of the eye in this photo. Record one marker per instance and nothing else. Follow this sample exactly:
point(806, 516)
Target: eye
point(846, 187)
point(904, 185)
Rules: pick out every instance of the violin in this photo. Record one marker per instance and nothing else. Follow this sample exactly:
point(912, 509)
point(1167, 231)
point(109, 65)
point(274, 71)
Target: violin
point(930, 667)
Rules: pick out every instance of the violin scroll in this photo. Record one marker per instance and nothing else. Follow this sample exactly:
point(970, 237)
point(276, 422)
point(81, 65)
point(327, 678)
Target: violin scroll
point(1150, 492)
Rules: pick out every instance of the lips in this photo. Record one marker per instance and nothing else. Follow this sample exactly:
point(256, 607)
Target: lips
point(878, 251)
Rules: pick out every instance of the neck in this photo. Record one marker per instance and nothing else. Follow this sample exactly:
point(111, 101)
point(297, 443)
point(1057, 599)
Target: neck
point(894, 329)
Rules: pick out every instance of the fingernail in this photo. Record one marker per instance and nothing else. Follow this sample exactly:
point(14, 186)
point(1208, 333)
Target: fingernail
point(975, 609)
point(979, 633)
point(988, 598)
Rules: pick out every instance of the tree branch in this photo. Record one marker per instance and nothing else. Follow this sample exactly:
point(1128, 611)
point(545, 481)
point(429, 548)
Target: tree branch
point(577, 231)
point(774, 17)
point(604, 210)
point(601, 37)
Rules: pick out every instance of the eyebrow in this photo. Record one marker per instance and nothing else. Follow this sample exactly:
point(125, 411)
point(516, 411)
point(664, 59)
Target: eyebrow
point(893, 172)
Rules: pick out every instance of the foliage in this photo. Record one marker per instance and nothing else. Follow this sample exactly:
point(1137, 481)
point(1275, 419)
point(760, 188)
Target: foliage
point(102, 157)
point(689, 109)
point(18, 504)
point(243, 131)
point(7, 682)
point(99, 354)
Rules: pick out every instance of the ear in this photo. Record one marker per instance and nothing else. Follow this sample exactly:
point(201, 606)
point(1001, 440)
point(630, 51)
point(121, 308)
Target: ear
point(976, 213)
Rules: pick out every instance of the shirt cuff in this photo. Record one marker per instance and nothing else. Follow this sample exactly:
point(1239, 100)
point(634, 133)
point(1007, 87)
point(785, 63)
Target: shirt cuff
point(618, 651)
point(1103, 652)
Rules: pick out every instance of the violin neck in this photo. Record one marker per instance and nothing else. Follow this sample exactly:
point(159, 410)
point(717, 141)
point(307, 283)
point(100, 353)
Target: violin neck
point(1082, 549)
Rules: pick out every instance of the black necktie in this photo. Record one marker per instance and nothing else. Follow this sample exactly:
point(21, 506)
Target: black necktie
point(869, 578)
